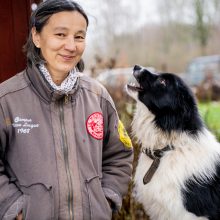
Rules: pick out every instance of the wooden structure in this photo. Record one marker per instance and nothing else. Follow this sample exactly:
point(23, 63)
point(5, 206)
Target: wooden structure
point(14, 19)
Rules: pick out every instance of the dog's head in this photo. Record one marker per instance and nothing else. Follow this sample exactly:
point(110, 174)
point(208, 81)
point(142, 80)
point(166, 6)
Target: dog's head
point(168, 98)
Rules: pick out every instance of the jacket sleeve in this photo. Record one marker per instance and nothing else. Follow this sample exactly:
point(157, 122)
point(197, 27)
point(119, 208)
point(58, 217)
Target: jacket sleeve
point(117, 157)
point(15, 209)
point(9, 193)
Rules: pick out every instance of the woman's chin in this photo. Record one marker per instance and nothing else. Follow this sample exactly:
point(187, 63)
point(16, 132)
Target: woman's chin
point(66, 68)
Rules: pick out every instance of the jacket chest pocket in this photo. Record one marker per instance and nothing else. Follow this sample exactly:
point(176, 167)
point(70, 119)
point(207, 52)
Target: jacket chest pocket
point(38, 201)
point(98, 204)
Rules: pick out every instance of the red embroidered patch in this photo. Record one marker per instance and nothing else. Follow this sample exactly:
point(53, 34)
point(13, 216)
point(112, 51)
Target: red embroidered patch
point(95, 124)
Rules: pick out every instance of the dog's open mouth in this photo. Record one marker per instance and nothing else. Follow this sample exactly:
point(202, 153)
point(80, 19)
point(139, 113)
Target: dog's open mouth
point(134, 87)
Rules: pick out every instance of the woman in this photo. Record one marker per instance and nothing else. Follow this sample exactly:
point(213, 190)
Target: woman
point(64, 154)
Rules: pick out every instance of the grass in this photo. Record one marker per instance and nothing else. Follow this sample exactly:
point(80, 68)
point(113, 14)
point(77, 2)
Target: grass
point(210, 112)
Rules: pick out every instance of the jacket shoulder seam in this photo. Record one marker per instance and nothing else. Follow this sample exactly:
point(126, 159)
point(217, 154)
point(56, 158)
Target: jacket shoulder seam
point(101, 96)
point(14, 84)
point(100, 91)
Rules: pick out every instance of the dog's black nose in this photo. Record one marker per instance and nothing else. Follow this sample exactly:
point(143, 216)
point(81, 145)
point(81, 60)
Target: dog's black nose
point(136, 71)
point(136, 68)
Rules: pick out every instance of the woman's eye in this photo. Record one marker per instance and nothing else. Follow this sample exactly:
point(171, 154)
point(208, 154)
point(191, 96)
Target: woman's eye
point(61, 35)
point(80, 37)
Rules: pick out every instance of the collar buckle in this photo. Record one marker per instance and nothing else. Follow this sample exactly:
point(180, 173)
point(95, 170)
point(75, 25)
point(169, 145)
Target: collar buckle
point(158, 153)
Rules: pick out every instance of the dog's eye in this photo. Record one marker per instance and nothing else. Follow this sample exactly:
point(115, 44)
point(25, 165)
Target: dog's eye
point(162, 81)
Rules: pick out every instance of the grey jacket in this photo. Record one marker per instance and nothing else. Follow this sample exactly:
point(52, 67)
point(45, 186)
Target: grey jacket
point(64, 153)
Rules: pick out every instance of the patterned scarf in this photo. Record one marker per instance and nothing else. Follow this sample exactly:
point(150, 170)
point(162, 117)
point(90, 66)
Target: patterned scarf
point(67, 84)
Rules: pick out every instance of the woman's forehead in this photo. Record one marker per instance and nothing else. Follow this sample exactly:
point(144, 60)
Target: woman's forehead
point(67, 19)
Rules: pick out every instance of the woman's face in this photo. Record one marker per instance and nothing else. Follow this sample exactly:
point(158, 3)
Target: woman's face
point(62, 41)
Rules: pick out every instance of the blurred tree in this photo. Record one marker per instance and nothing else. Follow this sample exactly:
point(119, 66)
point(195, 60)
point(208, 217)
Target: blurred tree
point(202, 14)
point(171, 41)
point(205, 20)
point(202, 25)
point(118, 16)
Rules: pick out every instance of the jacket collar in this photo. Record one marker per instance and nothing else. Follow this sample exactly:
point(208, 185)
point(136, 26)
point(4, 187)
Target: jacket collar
point(43, 88)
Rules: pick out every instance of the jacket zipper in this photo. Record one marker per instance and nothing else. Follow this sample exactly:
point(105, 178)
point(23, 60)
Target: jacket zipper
point(66, 158)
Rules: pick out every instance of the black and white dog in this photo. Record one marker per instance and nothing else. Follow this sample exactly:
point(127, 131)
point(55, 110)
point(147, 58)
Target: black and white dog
point(178, 172)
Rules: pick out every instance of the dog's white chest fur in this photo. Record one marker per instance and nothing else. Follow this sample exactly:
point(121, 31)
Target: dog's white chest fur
point(161, 197)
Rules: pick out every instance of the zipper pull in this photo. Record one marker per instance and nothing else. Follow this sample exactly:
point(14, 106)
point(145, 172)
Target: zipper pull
point(66, 99)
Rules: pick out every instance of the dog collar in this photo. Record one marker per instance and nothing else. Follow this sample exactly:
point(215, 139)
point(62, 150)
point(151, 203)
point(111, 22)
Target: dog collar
point(155, 155)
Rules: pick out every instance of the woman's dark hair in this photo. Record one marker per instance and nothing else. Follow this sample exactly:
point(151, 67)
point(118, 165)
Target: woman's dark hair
point(39, 19)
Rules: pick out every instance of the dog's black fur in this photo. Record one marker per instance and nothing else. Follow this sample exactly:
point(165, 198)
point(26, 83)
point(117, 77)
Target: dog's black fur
point(170, 100)
point(174, 108)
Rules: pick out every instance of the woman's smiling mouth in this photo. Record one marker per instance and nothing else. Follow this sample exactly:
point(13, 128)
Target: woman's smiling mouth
point(67, 57)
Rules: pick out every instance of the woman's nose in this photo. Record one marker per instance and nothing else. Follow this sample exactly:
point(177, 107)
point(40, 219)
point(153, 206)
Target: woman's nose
point(70, 44)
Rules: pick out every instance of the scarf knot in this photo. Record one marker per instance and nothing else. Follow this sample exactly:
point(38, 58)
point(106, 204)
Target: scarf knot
point(67, 84)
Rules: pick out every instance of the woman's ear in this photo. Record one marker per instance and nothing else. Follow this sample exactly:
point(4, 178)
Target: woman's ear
point(35, 37)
